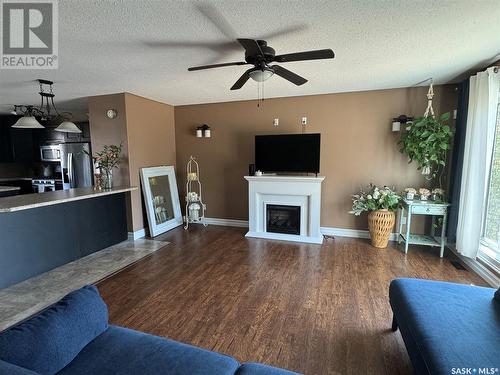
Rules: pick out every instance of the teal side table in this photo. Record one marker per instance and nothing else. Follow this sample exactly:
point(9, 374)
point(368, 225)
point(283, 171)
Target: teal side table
point(428, 208)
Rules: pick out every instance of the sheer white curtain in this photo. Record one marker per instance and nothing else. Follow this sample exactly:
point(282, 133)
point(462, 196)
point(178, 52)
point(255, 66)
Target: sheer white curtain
point(479, 137)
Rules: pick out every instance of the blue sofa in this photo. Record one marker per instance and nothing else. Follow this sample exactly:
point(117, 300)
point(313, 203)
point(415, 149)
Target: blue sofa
point(73, 337)
point(447, 328)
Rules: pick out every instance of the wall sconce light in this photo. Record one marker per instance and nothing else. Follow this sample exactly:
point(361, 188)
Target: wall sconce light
point(397, 121)
point(203, 131)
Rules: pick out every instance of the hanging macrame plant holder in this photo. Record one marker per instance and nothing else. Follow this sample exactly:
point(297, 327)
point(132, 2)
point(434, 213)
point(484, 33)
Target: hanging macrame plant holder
point(426, 170)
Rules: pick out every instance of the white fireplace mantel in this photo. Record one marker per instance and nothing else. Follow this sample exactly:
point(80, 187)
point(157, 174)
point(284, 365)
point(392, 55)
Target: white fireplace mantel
point(302, 191)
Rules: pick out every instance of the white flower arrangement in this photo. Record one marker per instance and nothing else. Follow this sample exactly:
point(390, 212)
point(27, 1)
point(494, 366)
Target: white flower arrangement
point(424, 192)
point(375, 199)
point(410, 190)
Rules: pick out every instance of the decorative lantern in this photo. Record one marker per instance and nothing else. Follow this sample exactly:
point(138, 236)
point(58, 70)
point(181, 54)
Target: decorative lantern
point(195, 208)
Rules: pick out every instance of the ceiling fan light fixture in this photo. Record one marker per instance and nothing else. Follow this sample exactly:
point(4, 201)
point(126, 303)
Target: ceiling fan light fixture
point(68, 127)
point(261, 75)
point(28, 122)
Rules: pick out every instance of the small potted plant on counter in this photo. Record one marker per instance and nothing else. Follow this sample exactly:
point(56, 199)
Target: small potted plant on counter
point(381, 204)
point(424, 194)
point(410, 193)
point(104, 162)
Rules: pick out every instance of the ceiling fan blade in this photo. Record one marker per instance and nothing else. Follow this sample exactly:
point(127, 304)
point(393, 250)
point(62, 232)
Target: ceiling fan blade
point(242, 80)
point(212, 14)
point(308, 55)
point(288, 75)
point(284, 32)
point(216, 65)
point(231, 46)
point(251, 47)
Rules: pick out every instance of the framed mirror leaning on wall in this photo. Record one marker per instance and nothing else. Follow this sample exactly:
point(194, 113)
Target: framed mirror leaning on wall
point(159, 188)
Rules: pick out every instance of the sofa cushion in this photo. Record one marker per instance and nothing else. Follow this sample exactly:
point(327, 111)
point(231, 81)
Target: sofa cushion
point(446, 325)
point(124, 351)
point(10, 369)
point(50, 340)
point(258, 369)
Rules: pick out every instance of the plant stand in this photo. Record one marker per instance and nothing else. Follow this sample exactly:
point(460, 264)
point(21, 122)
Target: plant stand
point(195, 208)
point(418, 207)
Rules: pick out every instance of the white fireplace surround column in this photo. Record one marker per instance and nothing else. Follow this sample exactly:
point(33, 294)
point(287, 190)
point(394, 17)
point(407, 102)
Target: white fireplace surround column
point(302, 191)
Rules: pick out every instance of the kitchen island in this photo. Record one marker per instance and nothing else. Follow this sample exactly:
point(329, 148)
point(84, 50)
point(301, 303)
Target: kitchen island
point(39, 232)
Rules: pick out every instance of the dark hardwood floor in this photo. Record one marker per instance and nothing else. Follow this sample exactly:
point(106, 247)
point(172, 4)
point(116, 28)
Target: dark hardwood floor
point(309, 308)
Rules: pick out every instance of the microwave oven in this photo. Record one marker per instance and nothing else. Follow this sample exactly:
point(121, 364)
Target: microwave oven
point(50, 153)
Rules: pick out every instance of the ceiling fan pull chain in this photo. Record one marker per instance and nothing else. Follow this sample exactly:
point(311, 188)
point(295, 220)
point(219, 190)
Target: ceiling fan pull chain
point(258, 95)
point(263, 92)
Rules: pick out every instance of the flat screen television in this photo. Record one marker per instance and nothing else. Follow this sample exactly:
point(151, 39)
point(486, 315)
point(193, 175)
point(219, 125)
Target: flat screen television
point(293, 153)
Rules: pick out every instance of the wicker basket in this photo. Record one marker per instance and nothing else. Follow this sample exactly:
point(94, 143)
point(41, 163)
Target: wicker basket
point(380, 224)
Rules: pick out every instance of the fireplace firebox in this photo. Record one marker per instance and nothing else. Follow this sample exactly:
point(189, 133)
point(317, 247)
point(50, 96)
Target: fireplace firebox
point(283, 219)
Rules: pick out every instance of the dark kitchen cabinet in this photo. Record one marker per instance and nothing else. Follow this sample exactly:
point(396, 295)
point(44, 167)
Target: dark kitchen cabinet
point(6, 152)
point(23, 144)
point(84, 136)
point(16, 145)
point(49, 135)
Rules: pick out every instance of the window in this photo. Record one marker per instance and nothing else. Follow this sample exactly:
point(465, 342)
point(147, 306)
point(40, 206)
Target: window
point(489, 249)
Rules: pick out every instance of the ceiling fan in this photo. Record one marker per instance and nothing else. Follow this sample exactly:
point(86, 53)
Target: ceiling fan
point(260, 55)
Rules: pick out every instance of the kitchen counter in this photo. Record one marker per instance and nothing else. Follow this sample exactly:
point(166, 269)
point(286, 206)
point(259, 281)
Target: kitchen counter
point(4, 189)
point(29, 201)
point(6, 179)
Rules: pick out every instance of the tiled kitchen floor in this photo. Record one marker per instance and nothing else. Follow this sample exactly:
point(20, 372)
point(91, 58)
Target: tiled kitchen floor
point(30, 296)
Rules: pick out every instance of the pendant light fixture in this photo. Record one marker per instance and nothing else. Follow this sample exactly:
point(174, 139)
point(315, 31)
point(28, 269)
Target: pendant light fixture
point(68, 127)
point(28, 121)
point(46, 112)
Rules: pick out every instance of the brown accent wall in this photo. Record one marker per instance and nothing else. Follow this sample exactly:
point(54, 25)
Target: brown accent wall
point(146, 130)
point(357, 145)
point(151, 142)
point(105, 131)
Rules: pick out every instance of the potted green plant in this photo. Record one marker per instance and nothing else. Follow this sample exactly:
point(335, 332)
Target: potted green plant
point(380, 203)
point(427, 141)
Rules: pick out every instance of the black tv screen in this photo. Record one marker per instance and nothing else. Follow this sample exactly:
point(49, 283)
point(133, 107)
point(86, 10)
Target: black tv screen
point(295, 153)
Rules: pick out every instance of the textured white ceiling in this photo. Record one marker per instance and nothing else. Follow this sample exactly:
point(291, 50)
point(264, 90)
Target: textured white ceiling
point(108, 46)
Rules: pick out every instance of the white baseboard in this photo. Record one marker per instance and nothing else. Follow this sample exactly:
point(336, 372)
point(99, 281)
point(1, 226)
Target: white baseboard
point(329, 231)
point(226, 222)
point(286, 237)
point(141, 233)
point(352, 233)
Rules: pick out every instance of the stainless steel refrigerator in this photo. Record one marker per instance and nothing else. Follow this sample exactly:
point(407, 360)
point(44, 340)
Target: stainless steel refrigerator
point(76, 165)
